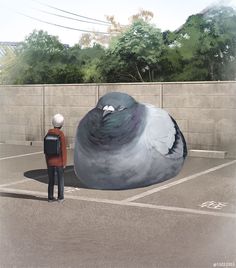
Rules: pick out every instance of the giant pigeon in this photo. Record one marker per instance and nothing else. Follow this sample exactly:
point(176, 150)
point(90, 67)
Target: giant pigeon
point(122, 144)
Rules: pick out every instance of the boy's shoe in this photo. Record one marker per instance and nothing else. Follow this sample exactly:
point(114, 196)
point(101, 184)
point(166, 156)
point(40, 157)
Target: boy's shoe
point(51, 200)
point(60, 200)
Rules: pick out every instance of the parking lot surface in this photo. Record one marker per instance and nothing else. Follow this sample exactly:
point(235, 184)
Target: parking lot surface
point(188, 221)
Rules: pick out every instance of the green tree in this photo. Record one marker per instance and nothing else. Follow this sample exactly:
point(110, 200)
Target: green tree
point(206, 44)
point(90, 58)
point(43, 59)
point(135, 53)
point(39, 57)
point(112, 70)
point(171, 64)
point(219, 42)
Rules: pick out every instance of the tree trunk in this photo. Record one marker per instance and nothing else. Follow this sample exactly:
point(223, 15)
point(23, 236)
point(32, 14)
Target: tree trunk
point(139, 74)
point(212, 71)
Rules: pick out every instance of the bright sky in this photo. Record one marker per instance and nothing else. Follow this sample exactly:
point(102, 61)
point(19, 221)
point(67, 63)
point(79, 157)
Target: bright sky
point(168, 15)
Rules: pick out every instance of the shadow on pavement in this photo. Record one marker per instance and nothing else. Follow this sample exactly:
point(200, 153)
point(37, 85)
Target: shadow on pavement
point(41, 175)
point(23, 196)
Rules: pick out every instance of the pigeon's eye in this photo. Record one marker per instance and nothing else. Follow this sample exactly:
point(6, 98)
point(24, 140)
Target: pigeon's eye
point(105, 108)
point(99, 107)
point(121, 108)
point(111, 108)
point(108, 108)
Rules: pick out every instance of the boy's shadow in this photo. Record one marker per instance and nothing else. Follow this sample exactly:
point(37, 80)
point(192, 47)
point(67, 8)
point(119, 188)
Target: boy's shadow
point(23, 196)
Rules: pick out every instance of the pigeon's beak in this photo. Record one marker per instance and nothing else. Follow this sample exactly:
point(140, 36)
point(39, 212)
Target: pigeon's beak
point(106, 112)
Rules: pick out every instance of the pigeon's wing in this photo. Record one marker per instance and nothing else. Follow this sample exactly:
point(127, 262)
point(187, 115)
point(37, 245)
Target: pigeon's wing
point(161, 133)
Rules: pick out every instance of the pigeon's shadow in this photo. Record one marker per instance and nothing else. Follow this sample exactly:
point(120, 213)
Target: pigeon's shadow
point(41, 175)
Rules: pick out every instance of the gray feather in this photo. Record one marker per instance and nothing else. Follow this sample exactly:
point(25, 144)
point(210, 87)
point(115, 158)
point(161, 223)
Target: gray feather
point(133, 147)
point(160, 130)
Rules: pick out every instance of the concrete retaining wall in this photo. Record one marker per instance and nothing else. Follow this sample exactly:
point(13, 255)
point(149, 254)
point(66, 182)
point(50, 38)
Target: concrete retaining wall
point(205, 111)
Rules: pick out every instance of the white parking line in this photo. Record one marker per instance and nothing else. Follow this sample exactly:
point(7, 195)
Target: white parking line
point(14, 183)
point(122, 203)
point(166, 186)
point(20, 155)
point(185, 210)
point(25, 192)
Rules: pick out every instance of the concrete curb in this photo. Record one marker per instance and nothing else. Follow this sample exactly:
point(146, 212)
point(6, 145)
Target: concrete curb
point(207, 153)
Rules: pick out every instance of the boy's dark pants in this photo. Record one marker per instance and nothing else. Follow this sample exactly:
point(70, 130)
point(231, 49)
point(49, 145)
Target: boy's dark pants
point(52, 171)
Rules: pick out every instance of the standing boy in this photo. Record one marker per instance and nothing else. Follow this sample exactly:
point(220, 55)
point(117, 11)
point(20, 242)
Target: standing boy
point(56, 157)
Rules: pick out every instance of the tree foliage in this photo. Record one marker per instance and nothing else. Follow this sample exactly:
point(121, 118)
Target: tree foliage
point(206, 45)
point(137, 50)
point(204, 48)
point(43, 59)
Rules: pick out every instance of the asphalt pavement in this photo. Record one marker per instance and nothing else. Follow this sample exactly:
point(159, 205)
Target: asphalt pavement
point(188, 221)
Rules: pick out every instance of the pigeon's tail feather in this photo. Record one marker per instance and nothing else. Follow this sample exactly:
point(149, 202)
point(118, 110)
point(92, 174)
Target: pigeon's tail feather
point(163, 134)
point(180, 143)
